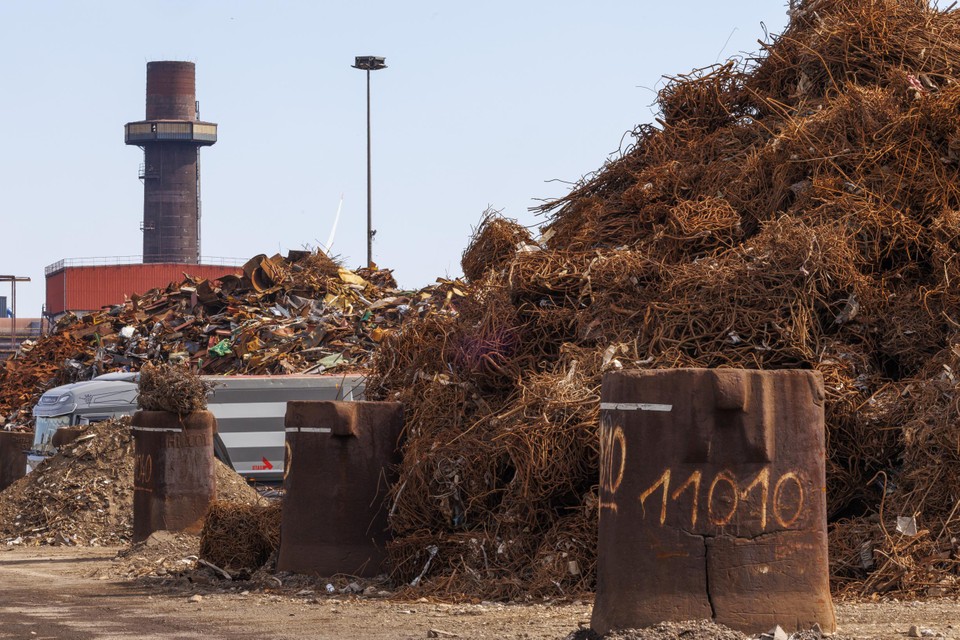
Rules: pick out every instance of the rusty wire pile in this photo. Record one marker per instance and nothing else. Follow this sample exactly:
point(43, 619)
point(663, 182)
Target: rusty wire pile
point(494, 242)
point(173, 388)
point(799, 209)
point(240, 537)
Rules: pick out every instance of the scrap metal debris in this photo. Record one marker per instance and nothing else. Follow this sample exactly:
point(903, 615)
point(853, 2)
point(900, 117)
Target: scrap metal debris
point(35, 368)
point(297, 314)
point(798, 209)
point(84, 494)
point(239, 537)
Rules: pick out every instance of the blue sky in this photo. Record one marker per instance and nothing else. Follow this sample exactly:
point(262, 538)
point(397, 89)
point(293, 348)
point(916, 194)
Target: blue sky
point(482, 104)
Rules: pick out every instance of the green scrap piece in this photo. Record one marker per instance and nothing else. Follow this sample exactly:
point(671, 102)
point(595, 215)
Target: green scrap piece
point(222, 348)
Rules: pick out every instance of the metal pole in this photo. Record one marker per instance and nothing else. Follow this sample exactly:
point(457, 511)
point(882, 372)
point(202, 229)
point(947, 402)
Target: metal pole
point(13, 280)
point(369, 191)
point(13, 314)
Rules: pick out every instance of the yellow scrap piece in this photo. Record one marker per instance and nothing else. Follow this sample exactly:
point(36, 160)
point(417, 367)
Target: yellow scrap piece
point(349, 277)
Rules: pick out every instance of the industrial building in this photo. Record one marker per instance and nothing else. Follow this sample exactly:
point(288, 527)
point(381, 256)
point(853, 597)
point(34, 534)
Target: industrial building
point(14, 331)
point(171, 135)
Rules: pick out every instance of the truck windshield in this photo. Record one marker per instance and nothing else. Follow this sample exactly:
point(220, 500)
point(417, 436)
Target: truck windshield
point(43, 434)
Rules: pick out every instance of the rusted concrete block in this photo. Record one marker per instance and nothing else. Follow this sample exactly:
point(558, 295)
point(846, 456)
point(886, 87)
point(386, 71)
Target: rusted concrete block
point(712, 500)
point(341, 460)
point(13, 459)
point(174, 478)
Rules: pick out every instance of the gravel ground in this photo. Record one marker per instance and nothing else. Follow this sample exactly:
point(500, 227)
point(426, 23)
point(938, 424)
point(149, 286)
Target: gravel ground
point(72, 593)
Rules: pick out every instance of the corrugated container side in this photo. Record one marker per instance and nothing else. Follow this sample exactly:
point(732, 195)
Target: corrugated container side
point(56, 292)
point(90, 288)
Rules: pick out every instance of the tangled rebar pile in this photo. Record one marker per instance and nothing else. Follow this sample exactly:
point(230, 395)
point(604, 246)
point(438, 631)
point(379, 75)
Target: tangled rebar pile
point(800, 209)
point(496, 239)
point(240, 537)
point(173, 388)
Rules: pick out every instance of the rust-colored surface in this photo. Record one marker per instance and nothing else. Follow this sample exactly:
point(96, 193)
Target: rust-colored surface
point(171, 90)
point(65, 435)
point(13, 459)
point(340, 463)
point(712, 500)
point(171, 212)
point(173, 473)
point(90, 288)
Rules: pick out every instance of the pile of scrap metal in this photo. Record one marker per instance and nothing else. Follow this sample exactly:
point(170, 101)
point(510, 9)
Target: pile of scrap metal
point(36, 367)
point(793, 210)
point(84, 495)
point(301, 314)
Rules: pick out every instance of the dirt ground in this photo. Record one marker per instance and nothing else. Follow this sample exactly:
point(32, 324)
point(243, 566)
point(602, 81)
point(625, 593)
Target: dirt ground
point(68, 593)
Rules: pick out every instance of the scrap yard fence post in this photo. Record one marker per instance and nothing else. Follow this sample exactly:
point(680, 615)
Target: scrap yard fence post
point(13, 456)
point(341, 461)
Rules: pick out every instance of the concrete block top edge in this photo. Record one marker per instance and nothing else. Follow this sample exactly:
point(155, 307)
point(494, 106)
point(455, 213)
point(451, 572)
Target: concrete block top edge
point(687, 371)
point(725, 381)
point(350, 403)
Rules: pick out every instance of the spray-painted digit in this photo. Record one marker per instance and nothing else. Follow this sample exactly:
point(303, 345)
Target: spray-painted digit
point(694, 481)
point(778, 500)
point(663, 481)
point(727, 477)
point(287, 459)
point(763, 481)
point(143, 469)
point(612, 466)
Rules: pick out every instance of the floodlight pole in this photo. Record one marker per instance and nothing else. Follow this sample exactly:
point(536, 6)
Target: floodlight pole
point(369, 182)
point(368, 64)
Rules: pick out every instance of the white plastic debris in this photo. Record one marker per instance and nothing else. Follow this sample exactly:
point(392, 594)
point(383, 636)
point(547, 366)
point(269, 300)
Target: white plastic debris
point(907, 525)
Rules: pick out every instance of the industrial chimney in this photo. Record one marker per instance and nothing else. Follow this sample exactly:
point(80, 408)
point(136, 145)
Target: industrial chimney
point(171, 137)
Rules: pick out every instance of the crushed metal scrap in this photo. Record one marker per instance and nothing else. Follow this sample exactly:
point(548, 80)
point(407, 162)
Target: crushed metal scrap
point(301, 314)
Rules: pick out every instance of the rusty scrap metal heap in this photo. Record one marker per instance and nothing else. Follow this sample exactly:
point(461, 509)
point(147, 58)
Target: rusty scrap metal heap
point(297, 314)
point(796, 210)
point(30, 372)
point(494, 245)
point(240, 537)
